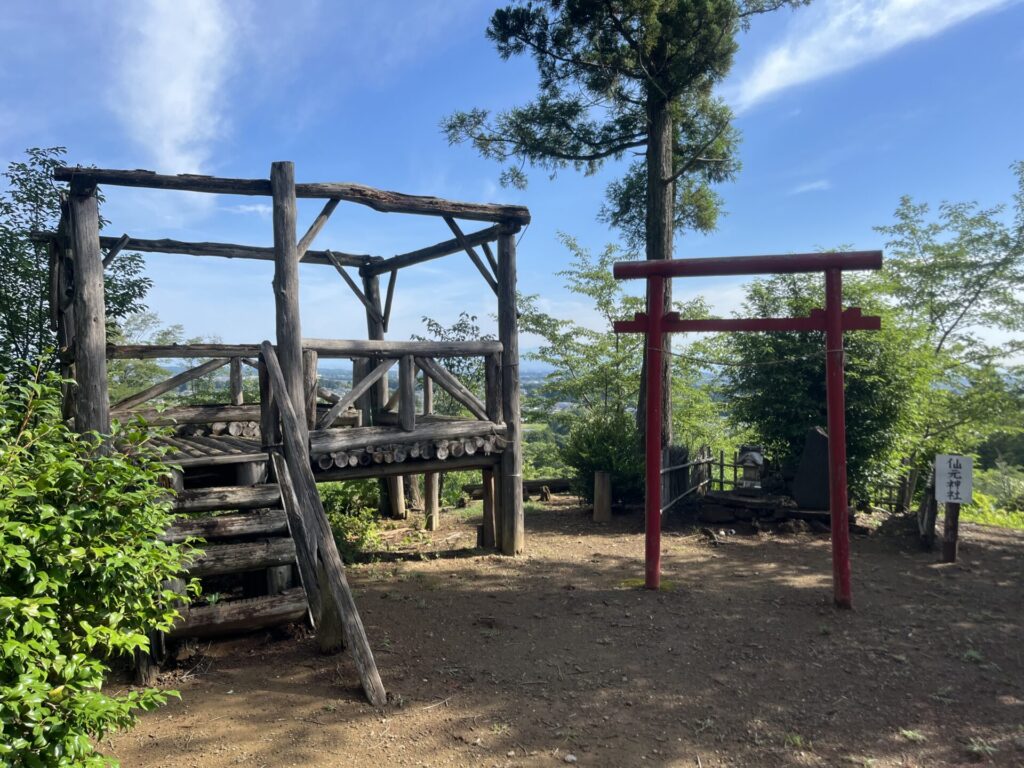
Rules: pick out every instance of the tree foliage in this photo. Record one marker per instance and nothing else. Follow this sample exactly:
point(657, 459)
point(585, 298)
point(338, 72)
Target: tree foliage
point(777, 385)
point(31, 202)
point(81, 575)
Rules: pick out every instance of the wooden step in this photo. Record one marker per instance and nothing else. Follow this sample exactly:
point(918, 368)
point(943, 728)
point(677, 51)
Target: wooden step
point(244, 556)
point(227, 497)
point(241, 615)
point(258, 522)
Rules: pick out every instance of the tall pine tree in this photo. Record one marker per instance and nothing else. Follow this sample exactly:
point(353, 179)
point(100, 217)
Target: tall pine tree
point(618, 77)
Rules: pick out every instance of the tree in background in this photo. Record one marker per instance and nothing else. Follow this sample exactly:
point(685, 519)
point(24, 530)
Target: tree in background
point(777, 384)
point(622, 77)
point(589, 395)
point(31, 203)
point(956, 274)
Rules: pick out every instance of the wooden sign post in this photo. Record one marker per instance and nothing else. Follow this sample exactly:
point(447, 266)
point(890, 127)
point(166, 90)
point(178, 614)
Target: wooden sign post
point(953, 487)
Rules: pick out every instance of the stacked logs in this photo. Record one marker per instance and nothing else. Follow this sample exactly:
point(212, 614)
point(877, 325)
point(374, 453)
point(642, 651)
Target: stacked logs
point(249, 429)
point(422, 449)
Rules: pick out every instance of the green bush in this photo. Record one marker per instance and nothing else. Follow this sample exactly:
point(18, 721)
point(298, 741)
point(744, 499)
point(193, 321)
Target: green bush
point(351, 509)
point(609, 442)
point(985, 510)
point(81, 571)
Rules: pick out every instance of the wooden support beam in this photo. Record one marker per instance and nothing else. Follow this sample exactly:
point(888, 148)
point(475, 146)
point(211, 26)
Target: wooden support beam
point(512, 534)
point(315, 227)
point(286, 287)
point(315, 522)
point(392, 279)
point(92, 404)
point(235, 381)
point(407, 393)
point(492, 387)
point(191, 414)
point(168, 385)
point(411, 467)
point(453, 386)
point(223, 250)
point(490, 519)
point(309, 374)
point(486, 247)
point(461, 237)
point(429, 253)
point(113, 250)
point(331, 440)
point(358, 389)
point(370, 307)
point(306, 557)
point(397, 349)
point(377, 199)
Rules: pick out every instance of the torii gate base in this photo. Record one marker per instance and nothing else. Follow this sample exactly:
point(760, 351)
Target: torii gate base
point(833, 321)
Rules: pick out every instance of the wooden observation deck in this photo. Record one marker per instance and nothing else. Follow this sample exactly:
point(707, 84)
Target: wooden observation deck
point(246, 472)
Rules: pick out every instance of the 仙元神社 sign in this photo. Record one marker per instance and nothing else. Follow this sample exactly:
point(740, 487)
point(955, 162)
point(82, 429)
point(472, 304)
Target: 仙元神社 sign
point(953, 479)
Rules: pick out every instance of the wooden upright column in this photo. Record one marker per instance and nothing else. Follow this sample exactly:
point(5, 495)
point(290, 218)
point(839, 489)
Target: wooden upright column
point(392, 488)
point(286, 287)
point(92, 404)
point(513, 533)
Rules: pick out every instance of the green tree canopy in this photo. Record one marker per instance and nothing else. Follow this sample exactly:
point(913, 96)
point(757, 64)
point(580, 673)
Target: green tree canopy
point(31, 202)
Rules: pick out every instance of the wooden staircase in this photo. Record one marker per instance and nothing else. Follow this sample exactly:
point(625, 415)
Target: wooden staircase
point(247, 536)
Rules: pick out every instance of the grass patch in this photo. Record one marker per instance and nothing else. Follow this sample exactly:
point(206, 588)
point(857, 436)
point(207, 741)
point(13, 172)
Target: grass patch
point(988, 515)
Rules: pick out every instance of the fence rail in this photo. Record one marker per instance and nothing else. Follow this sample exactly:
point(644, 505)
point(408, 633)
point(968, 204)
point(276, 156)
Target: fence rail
point(680, 478)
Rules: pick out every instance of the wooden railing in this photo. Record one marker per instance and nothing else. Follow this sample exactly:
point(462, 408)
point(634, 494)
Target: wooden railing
point(370, 394)
point(681, 479)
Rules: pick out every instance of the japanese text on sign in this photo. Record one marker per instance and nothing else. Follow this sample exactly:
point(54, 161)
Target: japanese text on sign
point(953, 479)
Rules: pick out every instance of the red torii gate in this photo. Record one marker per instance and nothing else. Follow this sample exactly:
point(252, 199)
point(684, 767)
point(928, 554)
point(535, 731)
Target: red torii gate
point(832, 320)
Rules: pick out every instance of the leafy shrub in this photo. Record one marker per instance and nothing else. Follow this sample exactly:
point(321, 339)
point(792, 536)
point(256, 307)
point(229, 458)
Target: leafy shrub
point(351, 509)
point(985, 509)
point(81, 571)
point(605, 441)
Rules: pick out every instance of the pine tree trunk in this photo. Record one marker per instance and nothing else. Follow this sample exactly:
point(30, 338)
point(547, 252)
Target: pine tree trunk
point(659, 231)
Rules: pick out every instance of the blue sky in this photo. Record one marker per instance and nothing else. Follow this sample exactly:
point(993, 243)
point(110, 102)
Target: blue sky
point(844, 106)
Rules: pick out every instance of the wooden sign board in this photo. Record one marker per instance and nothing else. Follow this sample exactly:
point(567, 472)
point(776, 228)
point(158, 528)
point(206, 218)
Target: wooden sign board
point(953, 482)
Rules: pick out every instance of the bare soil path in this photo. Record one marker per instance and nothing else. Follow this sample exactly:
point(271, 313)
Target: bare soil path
point(556, 657)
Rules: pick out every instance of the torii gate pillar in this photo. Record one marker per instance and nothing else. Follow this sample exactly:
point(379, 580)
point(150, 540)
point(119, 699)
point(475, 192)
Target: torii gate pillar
point(832, 321)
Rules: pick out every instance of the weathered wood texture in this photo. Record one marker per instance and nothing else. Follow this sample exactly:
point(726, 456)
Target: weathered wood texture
point(327, 441)
point(490, 519)
point(236, 381)
point(602, 497)
point(241, 615)
point(191, 414)
point(448, 381)
point(407, 393)
point(513, 533)
point(396, 349)
point(377, 199)
point(411, 467)
point(315, 227)
point(305, 543)
point(473, 255)
point(359, 388)
point(260, 522)
point(227, 497)
point(92, 401)
point(429, 253)
point(169, 385)
point(309, 386)
point(286, 287)
point(432, 500)
point(239, 557)
point(315, 522)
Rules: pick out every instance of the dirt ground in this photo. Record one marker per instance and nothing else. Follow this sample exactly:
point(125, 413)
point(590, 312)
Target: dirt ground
point(557, 657)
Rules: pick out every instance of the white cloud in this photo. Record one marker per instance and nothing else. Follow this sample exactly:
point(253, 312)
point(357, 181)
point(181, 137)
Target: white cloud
point(811, 186)
point(169, 94)
point(263, 210)
point(836, 35)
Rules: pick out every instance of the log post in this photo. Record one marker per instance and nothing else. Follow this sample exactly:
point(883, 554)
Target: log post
point(407, 393)
point(309, 364)
point(92, 404)
point(286, 287)
point(392, 496)
point(513, 533)
point(602, 497)
point(490, 520)
point(492, 386)
point(431, 480)
point(951, 532)
point(235, 379)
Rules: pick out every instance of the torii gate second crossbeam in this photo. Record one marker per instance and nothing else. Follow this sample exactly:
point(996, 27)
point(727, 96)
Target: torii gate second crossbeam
point(833, 320)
